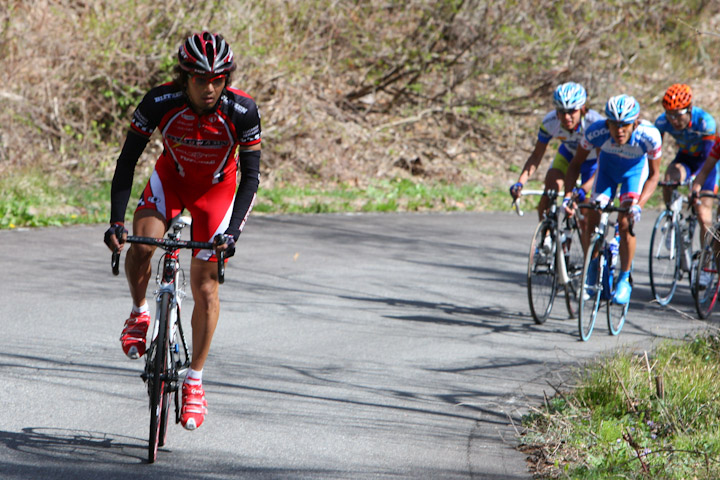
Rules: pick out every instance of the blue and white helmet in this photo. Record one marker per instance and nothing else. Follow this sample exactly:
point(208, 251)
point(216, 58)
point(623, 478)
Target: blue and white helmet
point(622, 109)
point(569, 96)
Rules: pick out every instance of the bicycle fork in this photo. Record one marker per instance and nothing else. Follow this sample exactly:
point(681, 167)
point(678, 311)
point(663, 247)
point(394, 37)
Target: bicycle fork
point(563, 277)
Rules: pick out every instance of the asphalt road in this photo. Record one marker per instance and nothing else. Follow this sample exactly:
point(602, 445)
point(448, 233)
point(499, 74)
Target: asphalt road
point(349, 347)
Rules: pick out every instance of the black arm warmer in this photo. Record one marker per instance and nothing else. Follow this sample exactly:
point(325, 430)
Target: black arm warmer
point(124, 173)
point(245, 198)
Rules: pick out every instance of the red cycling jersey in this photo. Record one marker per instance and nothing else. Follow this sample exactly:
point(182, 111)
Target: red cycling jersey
point(202, 147)
point(198, 167)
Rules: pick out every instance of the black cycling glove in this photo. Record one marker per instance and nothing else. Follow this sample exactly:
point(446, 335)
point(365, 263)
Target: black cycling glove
point(118, 230)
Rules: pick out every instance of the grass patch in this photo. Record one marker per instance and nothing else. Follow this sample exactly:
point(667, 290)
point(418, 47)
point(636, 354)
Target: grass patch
point(634, 417)
point(379, 196)
point(32, 200)
point(29, 200)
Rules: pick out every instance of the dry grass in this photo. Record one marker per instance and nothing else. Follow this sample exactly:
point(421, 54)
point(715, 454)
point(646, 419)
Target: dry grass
point(349, 90)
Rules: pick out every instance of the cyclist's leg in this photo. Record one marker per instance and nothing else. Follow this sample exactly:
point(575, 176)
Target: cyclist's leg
point(630, 188)
point(677, 171)
point(603, 191)
point(211, 211)
point(146, 223)
point(554, 179)
point(704, 208)
point(204, 284)
point(149, 221)
point(157, 204)
point(587, 183)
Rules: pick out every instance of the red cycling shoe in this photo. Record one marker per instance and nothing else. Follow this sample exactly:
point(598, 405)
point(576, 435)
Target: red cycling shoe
point(134, 333)
point(194, 406)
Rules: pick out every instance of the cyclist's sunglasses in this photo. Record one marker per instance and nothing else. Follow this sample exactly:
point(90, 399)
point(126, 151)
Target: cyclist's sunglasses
point(203, 80)
point(569, 111)
point(676, 113)
point(617, 124)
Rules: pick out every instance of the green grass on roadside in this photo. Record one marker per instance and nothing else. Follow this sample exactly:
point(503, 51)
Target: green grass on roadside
point(29, 200)
point(380, 196)
point(634, 417)
point(34, 200)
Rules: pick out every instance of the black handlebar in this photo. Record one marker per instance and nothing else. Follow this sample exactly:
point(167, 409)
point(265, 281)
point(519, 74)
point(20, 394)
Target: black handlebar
point(169, 244)
point(115, 262)
point(610, 208)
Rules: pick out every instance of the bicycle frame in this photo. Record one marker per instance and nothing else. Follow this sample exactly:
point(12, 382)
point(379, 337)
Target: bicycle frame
point(601, 287)
point(543, 279)
point(164, 362)
point(171, 281)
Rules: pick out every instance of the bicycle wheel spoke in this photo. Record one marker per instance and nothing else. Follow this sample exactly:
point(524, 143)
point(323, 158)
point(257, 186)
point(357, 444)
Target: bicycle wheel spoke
point(590, 296)
point(541, 275)
point(664, 261)
point(616, 315)
point(574, 259)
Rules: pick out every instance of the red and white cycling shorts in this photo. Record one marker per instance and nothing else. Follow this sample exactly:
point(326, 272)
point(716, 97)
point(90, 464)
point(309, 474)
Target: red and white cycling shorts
point(209, 205)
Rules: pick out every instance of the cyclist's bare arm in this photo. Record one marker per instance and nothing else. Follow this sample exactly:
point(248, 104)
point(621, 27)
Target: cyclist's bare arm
point(533, 161)
point(573, 170)
point(651, 182)
point(587, 186)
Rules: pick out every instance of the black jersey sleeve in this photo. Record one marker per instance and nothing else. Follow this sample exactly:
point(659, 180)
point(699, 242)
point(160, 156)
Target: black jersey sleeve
point(124, 173)
point(247, 191)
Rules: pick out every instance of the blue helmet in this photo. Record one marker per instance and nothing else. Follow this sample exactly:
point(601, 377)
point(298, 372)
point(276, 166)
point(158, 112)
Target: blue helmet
point(622, 109)
point(569, 96)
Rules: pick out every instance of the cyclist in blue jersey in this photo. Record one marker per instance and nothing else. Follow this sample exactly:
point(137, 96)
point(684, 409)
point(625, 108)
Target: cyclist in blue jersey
point(630, 152)
point(694, 131)
point(567, 123)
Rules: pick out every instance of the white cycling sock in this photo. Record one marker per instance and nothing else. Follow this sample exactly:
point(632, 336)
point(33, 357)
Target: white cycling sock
point(194, 377)
point(141, 309)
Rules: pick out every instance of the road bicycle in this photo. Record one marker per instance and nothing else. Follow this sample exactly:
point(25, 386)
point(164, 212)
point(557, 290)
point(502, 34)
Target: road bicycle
point(599, 274)
point(706, 295)
point(673, 250)
point(167, 357)
point(555, 260)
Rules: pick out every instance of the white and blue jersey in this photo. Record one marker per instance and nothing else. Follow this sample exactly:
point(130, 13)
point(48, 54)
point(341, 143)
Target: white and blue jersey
point(626, 164)
point(551, 128)
point(569, 142)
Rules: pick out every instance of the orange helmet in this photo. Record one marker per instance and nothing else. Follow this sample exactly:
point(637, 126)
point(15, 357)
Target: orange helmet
point(677, 96)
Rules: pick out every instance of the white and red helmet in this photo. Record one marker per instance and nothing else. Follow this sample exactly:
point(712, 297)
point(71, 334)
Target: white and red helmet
point(206, 53)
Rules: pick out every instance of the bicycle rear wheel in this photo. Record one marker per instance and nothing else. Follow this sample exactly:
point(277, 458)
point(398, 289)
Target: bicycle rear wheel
point(706, 284)
point(591, 288)
point(574, 259)
point(541, 274)
point(158, 368)
point(616, 314)
point(664, 264)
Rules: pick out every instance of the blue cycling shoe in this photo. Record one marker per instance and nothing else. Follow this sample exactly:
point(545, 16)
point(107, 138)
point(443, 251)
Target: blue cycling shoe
point(622, 291)
point(591, 279)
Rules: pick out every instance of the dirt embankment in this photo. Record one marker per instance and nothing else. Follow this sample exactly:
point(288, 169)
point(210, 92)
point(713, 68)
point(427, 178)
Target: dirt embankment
point(349, 91)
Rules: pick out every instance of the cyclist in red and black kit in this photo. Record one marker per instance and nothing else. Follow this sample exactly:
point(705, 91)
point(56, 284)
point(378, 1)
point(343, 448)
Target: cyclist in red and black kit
point(210, 131)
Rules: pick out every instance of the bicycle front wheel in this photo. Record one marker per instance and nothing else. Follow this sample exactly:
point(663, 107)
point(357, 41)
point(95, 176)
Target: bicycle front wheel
point(574, 259)
point(705, 284)
point(664, 264)
point(541, 274)
point(159, 396)
point(591, 288)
